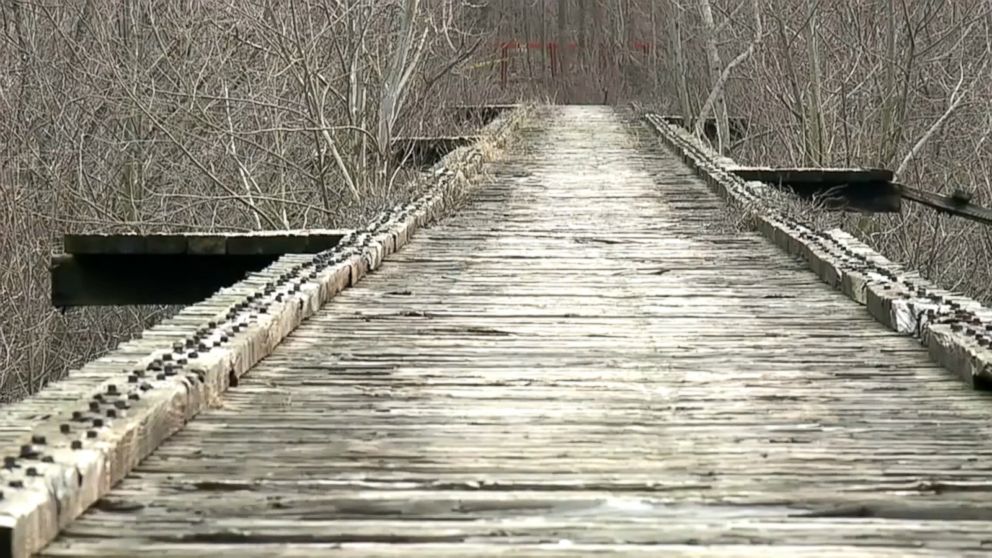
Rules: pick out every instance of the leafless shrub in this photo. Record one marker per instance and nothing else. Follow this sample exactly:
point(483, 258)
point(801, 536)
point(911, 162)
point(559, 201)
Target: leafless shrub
point(218, 116)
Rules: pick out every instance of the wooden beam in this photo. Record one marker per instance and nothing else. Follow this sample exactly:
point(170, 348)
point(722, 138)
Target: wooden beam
point(144, 279)
point(255, 243)
point(948, 204)
point(738, 126)
point(480, 114)
point(840, 188)
point(818, 177)
point(427, 151)
point(132, 269)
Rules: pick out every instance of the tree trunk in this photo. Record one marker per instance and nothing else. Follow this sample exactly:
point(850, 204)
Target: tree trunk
point(681, 71)
point(715, 66)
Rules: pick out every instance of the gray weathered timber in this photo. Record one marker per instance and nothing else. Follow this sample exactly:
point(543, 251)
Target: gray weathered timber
point(272, 243)
point(948, 204)
point(426, 151)
point(66, 446)
point(585, 360)
point(139, 269)
point(859, 189)
point(956, 330)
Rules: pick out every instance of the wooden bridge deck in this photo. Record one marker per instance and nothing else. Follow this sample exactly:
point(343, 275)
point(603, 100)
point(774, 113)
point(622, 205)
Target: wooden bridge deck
point(583, 359)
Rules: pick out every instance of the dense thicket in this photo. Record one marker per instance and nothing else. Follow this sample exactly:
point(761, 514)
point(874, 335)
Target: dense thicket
point(138, 115)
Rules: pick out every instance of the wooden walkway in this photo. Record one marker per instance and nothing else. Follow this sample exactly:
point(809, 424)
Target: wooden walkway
point(587, 358)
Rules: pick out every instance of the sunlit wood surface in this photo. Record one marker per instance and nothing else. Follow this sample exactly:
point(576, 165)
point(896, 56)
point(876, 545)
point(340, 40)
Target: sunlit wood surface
point(587, 358)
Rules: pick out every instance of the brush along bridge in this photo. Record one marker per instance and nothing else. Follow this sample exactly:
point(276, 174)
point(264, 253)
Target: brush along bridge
point(570, 360)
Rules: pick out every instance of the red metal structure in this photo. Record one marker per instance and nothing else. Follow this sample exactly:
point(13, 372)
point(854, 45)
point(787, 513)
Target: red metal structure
point(554, 52)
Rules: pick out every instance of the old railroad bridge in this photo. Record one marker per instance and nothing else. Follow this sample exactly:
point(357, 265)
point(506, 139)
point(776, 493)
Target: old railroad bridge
point(578, 357)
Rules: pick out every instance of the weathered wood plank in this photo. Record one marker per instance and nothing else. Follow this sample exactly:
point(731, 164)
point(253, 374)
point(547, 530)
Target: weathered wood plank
point(67, 446)
point(957, 330)
point(583, 360)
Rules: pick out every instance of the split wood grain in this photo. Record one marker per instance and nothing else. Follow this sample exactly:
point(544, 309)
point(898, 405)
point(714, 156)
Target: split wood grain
point(66, 447)
point(582, 360)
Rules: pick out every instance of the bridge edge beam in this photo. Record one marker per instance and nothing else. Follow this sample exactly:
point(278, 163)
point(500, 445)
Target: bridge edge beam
point(67, 446)
point(955, 329)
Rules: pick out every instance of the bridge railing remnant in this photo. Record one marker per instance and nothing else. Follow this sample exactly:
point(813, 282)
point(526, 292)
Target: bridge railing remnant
point(956, 330)
point(68, 445)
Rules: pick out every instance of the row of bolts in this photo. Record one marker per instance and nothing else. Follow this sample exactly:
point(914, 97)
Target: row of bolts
point(959, 318)
point(168, 364)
